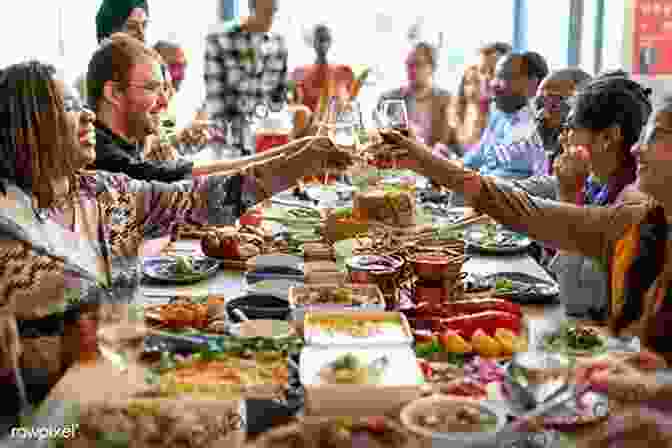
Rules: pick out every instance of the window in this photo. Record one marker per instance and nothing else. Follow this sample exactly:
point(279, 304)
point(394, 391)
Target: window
point(548, 30)
point(374, 33)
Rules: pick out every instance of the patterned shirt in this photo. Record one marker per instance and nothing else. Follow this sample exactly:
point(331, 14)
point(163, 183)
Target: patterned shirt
point(508, 147)
point(242, 70)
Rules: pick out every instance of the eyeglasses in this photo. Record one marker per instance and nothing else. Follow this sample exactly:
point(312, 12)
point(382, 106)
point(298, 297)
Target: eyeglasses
point(154, 89)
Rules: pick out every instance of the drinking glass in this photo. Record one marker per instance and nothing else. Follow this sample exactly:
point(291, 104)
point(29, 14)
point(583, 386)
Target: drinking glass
point(393, 114)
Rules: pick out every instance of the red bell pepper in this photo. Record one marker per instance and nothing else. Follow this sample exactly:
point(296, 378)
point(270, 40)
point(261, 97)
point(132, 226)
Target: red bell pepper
point(481, 305)
point(489, 321)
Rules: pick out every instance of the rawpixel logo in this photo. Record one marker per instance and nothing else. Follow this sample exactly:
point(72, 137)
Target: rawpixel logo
point(44, 432)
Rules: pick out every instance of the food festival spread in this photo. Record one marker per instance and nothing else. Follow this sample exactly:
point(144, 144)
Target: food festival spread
point(399, 344)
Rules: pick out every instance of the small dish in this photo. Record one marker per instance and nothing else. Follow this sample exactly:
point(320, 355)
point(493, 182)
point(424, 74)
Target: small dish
point(411, 413)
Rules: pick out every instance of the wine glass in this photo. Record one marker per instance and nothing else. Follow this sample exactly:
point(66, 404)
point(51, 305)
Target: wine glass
point(393, 114)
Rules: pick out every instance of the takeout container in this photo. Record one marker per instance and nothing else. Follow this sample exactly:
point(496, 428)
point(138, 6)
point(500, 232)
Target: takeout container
point(421, 406)
point(401, 382)
point(375, 299)
point(313, 335)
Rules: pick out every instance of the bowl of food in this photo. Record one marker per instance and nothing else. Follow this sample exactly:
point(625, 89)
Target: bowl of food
point(259, 306)
point(452, 421)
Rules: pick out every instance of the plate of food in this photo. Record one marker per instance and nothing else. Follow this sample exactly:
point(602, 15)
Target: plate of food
point(574, 339)
point(316, 297)
point(337, 432)
point(492, 238)
point(223, 375)
point(180, 269)
point(356, 328)
point(515, 286)
point(450, 421)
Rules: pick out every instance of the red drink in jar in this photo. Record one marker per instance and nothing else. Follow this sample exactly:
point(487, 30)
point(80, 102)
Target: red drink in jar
point(266, 139)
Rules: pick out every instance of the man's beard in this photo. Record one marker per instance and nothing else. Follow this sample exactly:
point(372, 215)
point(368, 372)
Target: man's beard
point(550, 137)
point(140, 126)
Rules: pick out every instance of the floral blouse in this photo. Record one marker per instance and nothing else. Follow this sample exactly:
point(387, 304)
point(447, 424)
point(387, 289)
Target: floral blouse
point(44, 265)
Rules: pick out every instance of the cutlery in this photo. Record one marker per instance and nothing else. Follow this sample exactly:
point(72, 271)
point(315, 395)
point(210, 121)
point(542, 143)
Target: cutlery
point(293, 204)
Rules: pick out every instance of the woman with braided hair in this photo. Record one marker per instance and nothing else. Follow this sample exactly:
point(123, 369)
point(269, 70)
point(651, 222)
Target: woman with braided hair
point(70, 237)
point(607, 117)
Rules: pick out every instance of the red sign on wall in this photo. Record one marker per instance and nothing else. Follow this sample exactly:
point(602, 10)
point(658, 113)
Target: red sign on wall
point(652, 37)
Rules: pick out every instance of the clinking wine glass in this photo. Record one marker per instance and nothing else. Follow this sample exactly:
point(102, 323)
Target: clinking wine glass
point(393, 114)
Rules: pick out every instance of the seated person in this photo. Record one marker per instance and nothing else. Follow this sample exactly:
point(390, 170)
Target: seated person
point(468, 112)
point(630, 239)
point(188, 136)
point(608, 116)
point(71, 237)
point(129, 101)
point(427, 105)
point(506, 149)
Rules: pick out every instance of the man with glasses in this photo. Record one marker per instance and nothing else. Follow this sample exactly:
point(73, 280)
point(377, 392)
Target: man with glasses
point(245, 66)
point(127, 89)
point(125, 16)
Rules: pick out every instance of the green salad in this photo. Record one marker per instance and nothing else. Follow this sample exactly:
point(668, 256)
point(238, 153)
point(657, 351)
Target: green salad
point(572, 338)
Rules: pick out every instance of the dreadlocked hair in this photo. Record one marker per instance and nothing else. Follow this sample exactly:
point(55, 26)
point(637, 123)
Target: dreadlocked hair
point(613, 99)
point(37, 142)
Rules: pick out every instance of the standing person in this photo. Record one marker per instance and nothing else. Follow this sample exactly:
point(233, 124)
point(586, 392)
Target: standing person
point(122, 16)
point(317, 83)
point(505, 149)
point(245, 66)
point(427, 104)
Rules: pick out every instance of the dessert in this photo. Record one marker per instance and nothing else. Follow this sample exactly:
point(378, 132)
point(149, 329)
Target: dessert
point(389, 206)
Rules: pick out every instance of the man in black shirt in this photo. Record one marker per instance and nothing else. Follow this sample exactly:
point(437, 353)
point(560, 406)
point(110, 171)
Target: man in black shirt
point(126, 87)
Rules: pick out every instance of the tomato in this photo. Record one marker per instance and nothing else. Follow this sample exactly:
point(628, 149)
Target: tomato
point(427, 370)
point(376, 424)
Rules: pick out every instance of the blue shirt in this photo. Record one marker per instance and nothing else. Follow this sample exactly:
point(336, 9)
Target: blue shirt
point(507, 148)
